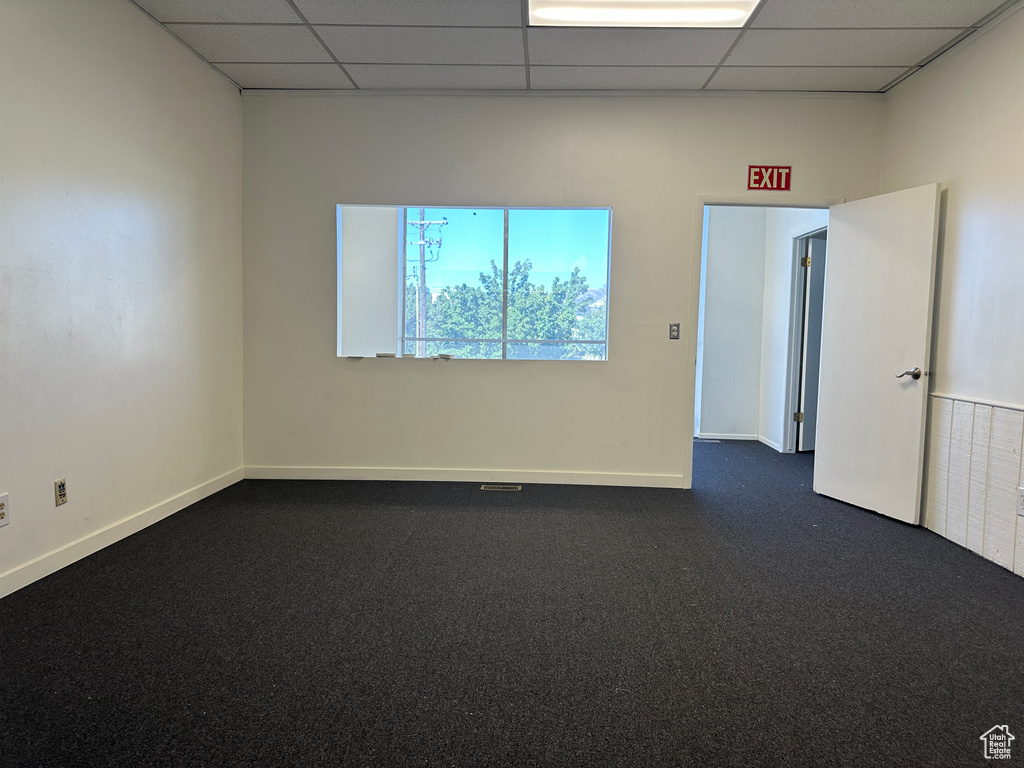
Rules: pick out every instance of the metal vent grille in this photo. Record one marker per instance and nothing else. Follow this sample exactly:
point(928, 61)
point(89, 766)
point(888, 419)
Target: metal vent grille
point(501, 487)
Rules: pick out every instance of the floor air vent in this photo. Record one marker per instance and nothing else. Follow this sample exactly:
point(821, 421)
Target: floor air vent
point(501, 487)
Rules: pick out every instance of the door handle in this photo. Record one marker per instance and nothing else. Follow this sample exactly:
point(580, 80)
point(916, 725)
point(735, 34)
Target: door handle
point(914, 373)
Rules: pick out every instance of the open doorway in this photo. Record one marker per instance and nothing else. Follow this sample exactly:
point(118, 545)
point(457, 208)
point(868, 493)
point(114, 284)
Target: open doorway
point(805, 352)
point(759, 324)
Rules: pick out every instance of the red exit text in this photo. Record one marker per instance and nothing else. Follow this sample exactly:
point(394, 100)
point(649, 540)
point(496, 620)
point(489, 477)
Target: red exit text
point(769, 177)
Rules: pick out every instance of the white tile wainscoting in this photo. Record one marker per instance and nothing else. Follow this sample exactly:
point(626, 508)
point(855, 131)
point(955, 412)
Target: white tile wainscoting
point(974, 469)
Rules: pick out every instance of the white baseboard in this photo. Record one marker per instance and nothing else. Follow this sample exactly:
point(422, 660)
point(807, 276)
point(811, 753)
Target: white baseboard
point(464, 476)
point(714, 436)
point(26, 573)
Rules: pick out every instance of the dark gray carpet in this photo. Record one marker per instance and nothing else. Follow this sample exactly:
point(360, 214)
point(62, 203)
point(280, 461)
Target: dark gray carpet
point(748, 622)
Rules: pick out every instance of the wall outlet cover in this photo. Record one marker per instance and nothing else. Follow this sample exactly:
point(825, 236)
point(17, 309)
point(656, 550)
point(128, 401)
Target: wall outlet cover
point(60, 491)
point(5, 509)
point(1020, 501)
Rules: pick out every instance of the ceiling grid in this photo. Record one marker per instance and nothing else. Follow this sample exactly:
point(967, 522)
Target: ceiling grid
point(846, 46)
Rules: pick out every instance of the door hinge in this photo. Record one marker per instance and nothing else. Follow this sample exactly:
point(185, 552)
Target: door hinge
point(805, 261)
point(798, 417)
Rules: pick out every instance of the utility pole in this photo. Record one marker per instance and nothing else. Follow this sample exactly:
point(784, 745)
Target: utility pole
point(421, 294)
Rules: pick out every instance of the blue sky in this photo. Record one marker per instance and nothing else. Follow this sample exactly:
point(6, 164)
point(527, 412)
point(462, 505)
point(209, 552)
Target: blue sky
point(555, 240)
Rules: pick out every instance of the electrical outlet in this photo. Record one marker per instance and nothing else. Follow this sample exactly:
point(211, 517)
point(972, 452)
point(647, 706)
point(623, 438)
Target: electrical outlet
point(5, 509)
point(60, 491)
point(1020, 501)
point(673, 330)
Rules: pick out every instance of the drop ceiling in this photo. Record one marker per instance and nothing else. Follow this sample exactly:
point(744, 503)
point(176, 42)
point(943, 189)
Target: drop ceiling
point(863, 46)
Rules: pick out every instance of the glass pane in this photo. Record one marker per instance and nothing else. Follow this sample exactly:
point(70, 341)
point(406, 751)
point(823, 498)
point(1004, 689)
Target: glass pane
point(483, 350)
point(454, 277)
point(479, 350)
point(558, 274)
point(520, 351)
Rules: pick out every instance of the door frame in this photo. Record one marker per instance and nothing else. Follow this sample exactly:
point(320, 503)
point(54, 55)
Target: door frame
point(797, 289)
point(701, 199)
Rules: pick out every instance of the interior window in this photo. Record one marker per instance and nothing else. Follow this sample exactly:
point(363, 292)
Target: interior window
point(484, 283)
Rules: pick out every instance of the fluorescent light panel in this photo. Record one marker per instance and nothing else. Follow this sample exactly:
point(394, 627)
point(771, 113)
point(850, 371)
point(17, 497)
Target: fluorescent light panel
point(641, 13)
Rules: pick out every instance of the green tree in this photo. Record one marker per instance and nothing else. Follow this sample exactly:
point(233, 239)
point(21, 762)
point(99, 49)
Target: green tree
point(561, 312)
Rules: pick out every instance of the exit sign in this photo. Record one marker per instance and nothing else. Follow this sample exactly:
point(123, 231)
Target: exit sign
point(769, 177)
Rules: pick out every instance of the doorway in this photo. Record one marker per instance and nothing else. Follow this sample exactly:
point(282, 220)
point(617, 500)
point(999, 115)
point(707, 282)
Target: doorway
point(759, 324)
point(805, 353)
point(876, 339)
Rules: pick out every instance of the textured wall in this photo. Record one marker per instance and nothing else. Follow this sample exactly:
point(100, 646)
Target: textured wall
point(974, 470)
point(958, 123)
point(120, 278)
point(628, 420)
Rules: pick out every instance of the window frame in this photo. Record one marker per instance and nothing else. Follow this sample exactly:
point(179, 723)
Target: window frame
point(504, 341)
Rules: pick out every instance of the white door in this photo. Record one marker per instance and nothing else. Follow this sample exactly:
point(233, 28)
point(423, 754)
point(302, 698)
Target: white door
point(810, 363)
point(879, 285)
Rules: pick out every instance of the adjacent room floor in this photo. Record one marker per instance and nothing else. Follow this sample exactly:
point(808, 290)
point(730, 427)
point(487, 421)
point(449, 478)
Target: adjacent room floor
point(748, 622)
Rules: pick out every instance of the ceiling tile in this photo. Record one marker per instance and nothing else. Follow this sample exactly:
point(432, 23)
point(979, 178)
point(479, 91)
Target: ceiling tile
point(431, 13)
point(619, 78)
point(251, 43)
point(651, 47)
point(834, 79)
point(831, 14)
point(442, 77)
point(302, 76)
point(220, 11)
point(424, 45)
point(833, 47)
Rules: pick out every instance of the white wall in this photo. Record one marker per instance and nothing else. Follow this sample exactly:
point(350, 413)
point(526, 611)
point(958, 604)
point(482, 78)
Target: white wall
point(730, 359)
point(780, 228)
point(959, 123)
point(308, 413)
point(749, 263)
point(120, 278)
